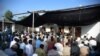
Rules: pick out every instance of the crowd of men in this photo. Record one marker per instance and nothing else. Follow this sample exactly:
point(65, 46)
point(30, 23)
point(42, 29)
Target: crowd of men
point(47, 44)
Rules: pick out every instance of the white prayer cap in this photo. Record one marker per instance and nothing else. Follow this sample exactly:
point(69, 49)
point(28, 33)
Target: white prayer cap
point(27, 36)
point(16, 37)
point(86, 42)
point(35, 54)
point(80, 45)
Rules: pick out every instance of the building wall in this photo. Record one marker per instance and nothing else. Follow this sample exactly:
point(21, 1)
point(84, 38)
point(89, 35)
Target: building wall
point(20, 28)
point(91, 30)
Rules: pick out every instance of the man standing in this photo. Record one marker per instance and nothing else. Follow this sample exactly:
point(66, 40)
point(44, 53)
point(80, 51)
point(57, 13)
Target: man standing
point(59, 46)
point(29, 48)
point(53, 52)
point(84, 50)
point(40, 51)
point(75, 50)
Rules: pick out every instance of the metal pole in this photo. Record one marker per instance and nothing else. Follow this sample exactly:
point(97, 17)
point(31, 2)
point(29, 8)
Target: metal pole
point(33, 23)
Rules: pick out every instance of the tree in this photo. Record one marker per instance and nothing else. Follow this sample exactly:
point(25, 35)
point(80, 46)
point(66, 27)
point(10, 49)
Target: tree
point(9, 15)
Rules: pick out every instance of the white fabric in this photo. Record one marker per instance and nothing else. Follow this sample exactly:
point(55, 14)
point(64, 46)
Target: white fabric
point(45, 45)
point(37, 37)
point(22, 35)
point(35, 54)
point(92, 42)
point(78, 39)
point(45, 39)
point(27, 37)
point(22, 46)
point(29, 50)
point(12, 43)
point(53, 53)
point(33, 35)
point(83, 39)
point(80, 45)
point(49, 37)
point(16, 37)
point(66, 50)
point(59, 47)
point(86, 42)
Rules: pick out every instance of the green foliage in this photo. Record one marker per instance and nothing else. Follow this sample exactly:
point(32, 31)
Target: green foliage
point(9, 15)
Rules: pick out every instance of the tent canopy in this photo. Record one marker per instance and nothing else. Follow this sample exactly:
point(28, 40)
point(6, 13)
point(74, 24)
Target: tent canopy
point(79, 16)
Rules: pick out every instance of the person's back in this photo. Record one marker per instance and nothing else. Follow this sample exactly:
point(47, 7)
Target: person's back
point(92, 42)
point(45, 45)
point(12, 43)
point(59, 46)
point(84, 51)
point(64, 41)
point(2, 53)
point(18, 50)
point(15, 40)
point(40, 51)
point(75, 50)
point(51, 43)
point(34, 42)
point(38, 42)
point(53, 52)
point(66, 50)
point(23, 44)
point(29, 48)
point(11, 51)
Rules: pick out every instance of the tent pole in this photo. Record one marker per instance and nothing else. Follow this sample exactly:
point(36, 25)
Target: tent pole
point(33, 23)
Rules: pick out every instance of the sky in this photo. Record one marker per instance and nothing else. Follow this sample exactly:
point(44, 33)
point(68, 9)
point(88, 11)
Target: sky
point(20, 6)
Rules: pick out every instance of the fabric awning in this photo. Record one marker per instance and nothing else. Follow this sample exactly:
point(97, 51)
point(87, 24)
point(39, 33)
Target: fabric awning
point(79, 16)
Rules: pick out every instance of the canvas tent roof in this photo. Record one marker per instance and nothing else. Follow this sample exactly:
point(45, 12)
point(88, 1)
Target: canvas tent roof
point(79, 16)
